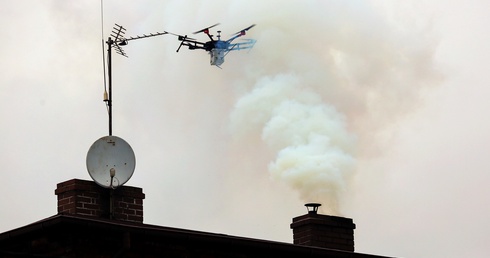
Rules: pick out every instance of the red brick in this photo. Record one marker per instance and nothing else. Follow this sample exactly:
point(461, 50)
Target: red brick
point(324, 231)
point(135, 206)
point(86, 198)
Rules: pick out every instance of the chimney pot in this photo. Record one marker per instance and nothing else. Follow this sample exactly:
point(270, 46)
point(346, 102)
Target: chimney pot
point(312, 207)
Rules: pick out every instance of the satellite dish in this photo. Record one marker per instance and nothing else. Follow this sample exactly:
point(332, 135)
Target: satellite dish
point(110, 161)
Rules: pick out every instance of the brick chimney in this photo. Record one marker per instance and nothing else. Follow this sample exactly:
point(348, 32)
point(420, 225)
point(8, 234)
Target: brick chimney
point(86, 198)
point(324, 231)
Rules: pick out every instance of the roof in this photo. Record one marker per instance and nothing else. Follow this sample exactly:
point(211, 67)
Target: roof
point(71, 235)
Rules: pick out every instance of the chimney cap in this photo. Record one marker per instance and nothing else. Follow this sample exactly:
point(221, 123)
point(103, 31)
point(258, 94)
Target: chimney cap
point(312, 207)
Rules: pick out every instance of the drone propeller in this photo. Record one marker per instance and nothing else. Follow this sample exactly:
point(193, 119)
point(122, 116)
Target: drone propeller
point(242, 32)
point(206, 30)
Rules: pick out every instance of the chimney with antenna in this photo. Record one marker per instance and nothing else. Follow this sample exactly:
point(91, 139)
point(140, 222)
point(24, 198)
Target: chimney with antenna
point(86, 198)
point(324, 231)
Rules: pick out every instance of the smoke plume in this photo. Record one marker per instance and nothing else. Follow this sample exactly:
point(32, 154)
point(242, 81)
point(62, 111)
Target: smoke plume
point(323, 80)
point(314, 149)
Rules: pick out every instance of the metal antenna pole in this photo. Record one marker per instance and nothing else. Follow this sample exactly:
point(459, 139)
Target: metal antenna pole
point(109, 68)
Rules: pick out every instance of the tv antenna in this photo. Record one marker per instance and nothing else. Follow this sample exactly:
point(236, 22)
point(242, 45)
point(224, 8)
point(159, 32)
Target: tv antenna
point(116, 41)
point(110, 159)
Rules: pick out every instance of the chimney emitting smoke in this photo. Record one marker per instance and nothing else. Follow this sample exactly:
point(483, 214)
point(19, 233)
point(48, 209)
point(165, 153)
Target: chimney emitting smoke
point(324, 231)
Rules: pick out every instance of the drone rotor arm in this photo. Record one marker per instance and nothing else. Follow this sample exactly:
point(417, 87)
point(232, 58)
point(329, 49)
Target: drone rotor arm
point(181, 43)
point(192, 44)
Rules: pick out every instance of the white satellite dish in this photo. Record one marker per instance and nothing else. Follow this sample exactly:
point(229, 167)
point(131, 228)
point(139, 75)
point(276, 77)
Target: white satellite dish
point(110, 161)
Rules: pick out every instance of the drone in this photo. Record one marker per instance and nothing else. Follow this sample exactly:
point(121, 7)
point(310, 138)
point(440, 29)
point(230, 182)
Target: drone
point(217, 48)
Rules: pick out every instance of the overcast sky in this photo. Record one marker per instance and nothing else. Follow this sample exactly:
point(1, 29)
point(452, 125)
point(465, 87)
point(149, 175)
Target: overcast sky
point(376, 109)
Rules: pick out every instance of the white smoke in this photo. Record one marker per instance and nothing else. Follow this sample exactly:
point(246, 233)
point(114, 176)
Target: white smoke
point(314, 149)
point(325, 78)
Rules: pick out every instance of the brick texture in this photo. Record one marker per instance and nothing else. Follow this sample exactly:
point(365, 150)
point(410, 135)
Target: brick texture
point(324, 231)
point(86, 198)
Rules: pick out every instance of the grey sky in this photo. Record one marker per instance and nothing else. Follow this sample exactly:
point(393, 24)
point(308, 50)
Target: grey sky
point(405, 84)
